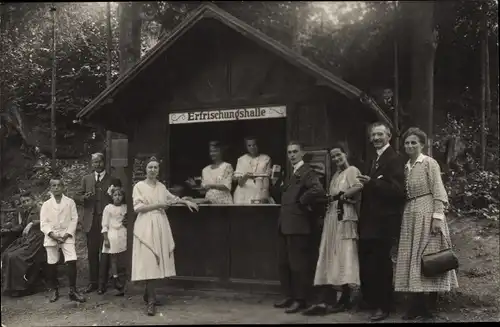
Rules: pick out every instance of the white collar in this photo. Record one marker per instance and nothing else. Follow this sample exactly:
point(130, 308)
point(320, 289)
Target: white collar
point(101, 174)
point(381, 151)
point(54, 202)
point(298, 165)
point(420, 158)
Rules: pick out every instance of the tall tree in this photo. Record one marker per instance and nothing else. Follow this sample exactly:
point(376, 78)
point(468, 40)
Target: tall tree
point(485, 87)
point(423, 48)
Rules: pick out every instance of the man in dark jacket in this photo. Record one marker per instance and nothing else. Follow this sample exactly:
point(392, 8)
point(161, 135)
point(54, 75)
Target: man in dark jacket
point(380, 220)
point(94, 195)
point(295, 226)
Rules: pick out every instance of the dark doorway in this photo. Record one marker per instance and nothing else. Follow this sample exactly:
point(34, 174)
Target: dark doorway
point(189, 143)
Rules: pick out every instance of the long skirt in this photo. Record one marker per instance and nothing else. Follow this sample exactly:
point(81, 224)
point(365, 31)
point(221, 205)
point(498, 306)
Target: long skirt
point(415, 234)
point(338, 253)
point(22, 262)
point(153, 247)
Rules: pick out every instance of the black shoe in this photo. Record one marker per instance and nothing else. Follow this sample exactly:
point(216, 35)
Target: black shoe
point(146, 299)
point(316, 310)
point(296, 307)
point(412, 314)
point(340, 307)
point(91, 288)
point(379, 315)
point(283, 303)
point(101, 290)
point(117, 284)
point(54, 296)
point(364, 306)
point(151, 309)
point(75, 296)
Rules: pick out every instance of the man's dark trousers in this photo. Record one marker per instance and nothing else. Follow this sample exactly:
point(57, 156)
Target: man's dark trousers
point(376, 272)
point(98, 269)
point(295, 262)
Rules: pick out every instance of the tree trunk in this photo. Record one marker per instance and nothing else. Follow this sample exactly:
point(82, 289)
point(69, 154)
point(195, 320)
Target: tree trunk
point(424, 44)
point(484, 86)
point(130, 34)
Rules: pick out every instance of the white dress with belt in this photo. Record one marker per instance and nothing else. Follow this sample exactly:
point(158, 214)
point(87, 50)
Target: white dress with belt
point(153, 243)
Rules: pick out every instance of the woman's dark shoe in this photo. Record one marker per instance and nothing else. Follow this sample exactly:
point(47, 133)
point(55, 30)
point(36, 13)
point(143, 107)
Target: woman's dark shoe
point(343, 304)
point(379, 315)
point(145, 297)
point(75, 296)
point(283, 303)
point(151, 308)
point(316, 310)
point(91, 288)
point(54, 295)
point(296, 307)
point(339, 307)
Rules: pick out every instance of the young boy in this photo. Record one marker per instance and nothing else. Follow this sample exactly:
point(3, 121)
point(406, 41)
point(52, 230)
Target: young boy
point(58, 220)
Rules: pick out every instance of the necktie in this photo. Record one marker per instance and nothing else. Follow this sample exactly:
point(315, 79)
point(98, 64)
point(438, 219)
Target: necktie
point(374, 165)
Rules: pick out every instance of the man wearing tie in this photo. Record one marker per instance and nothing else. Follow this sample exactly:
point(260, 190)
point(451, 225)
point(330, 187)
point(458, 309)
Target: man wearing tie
point(95, 197)
point(295, 261)
point(379, 222)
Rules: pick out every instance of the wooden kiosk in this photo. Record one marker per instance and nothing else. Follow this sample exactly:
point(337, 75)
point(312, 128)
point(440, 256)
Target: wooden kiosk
point(215, 77)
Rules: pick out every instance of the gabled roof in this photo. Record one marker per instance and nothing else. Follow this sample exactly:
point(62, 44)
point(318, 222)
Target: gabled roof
point(209, 10)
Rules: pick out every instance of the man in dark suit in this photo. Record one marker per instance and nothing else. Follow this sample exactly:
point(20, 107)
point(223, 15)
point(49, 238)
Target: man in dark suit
point(295, 227)
point(94, 194)
point(380, 220)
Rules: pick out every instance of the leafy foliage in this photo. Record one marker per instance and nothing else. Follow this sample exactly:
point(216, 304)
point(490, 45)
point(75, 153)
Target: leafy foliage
point(470, 190)
point(354, 40)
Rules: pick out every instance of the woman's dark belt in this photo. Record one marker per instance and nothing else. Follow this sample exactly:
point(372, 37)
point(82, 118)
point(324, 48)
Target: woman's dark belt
point(417, 196)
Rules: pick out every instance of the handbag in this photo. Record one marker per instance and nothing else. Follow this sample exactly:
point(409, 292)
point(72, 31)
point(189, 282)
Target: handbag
point(438, 263)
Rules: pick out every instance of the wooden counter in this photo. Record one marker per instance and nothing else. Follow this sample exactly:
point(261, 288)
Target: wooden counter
point(227, 246)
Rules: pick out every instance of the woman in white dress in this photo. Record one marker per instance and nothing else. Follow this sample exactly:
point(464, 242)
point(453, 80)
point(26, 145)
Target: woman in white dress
point(153, 244)
point(252, 186)
point(338, 267)
point(423, 229)
point(216, 178)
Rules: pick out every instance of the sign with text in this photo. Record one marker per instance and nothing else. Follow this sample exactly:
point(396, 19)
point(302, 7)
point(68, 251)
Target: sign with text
point(207, 116)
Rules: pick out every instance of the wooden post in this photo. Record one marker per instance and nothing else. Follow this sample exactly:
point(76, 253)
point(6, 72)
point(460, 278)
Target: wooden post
point(108, 79)
point(53, 90)
point(484, 36)
point(2, 59)
point(396, 81)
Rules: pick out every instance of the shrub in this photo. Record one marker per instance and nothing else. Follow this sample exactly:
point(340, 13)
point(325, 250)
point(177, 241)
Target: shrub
point(471, 191)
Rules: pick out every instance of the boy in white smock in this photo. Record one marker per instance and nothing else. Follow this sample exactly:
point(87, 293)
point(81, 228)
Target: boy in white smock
point(58, 221)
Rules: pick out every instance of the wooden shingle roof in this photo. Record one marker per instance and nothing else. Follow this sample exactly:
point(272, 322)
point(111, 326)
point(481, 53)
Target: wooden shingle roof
point(209, 10)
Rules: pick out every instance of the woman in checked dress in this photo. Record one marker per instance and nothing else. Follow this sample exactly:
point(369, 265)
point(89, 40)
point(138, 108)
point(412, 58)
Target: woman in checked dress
point(153, 244)
point(338, 267)
point(423, 223)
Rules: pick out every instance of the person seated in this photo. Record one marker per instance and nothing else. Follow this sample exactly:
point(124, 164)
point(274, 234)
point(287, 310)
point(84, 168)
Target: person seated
point(252, 174)
point(216, 178)
point(23, 260)
point(12, 225)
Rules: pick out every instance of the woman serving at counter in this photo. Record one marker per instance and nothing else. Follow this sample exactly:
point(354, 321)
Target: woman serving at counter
point(153, 244)
point(251, 173)
point(216, 178)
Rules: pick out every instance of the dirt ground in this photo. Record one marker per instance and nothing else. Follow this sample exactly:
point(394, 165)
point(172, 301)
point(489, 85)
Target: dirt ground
point(184, 307)
point(478, 298)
